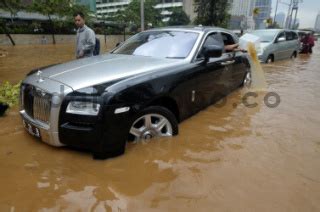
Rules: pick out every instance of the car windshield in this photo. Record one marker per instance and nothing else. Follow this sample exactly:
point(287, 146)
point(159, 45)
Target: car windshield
point(266, 36)
point(159, 44)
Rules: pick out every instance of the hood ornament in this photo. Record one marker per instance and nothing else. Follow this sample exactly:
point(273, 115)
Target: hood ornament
point(40, 79)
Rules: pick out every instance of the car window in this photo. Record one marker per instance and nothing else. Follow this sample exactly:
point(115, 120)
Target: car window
point(159, 44)
point(227, 39)
point(295, 35)
point(281, 35)
point(289, 35)
point(212, 39)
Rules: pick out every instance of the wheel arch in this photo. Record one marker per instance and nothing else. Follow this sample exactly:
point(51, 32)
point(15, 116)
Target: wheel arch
point(272, 57)
point(167, 102)
point(295, 53)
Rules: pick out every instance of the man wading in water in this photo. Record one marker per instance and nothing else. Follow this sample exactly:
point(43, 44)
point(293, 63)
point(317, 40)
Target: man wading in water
point(86, 39)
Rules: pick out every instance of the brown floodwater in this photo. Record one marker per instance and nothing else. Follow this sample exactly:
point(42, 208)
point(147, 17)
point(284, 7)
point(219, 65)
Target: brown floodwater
point(226, 158)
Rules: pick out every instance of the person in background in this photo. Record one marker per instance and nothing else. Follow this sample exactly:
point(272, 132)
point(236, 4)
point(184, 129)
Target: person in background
point(96, 50)
point(307, 43)
point(86, 38)
point(44, 40)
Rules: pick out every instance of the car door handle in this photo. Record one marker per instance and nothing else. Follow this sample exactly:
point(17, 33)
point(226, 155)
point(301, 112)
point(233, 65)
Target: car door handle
point(226, 63)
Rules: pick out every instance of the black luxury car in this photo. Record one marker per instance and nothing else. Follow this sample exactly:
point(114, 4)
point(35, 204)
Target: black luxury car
point(140, 90)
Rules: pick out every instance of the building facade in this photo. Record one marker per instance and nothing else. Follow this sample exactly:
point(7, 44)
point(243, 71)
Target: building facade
point(242, 14)
point(166, 7)
point(264, 12)
point(91, 4)
point(317, 24)
point(188, 7)
point(242, 7)
point(108, 8)
point(280, 19)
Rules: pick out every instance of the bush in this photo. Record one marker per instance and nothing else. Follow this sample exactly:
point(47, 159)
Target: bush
point(9, 93)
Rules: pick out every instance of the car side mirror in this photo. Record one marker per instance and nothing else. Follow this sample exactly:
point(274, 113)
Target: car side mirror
point(281, 39)
point(212, 51)
point(118, 44)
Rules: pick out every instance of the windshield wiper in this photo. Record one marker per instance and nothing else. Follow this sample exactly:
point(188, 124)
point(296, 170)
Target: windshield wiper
point(175, 57)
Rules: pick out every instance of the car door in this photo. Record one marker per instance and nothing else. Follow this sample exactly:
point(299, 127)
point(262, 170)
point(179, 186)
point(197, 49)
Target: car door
point(293, 42)
point(214, 76)
point(236, 65)
point(280, 46)
point(185, 89)
point(290, 43)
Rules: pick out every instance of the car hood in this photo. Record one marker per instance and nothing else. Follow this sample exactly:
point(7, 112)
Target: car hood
point(264, 44)
point(101, 69)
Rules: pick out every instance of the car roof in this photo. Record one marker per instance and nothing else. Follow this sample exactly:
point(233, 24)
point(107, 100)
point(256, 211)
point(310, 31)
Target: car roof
point(271, 30)
point(276, 30)
point(199, 28)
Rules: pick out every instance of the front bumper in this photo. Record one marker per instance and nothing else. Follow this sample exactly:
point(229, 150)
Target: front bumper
point(106, 132)
point(261, 58)
point(37, 108)
point(47, 135)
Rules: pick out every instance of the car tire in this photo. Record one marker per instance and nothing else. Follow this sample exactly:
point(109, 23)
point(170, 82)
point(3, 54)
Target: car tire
point(247, 79)
point(294, 55)
point(270, 59)
point(153, 121)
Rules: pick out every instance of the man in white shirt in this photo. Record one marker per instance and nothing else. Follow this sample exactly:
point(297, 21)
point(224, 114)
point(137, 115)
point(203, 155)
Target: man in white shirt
point(86, 38)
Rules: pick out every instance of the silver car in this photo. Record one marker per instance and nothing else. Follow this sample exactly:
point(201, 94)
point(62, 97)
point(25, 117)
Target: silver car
point(277, 44)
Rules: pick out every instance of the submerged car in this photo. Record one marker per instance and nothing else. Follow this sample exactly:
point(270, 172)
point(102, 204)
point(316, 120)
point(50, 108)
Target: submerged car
point(140, 90)
point(277, 44)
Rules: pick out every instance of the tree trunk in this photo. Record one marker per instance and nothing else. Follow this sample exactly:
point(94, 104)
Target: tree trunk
point(52, 30)
point(8, 34)
point(12, 41)
point(124, 33)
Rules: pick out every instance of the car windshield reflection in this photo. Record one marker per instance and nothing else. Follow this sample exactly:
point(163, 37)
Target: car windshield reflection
point(266, 36)
point(159, 44)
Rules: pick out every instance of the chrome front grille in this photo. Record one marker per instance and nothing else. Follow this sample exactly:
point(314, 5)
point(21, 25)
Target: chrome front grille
point(41, 108)
point(36, 103)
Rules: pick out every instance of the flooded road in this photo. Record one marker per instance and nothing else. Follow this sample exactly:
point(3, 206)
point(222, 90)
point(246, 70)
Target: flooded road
point(226, 158)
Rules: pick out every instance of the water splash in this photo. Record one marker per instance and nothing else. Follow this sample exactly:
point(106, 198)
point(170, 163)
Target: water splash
point(257, 73)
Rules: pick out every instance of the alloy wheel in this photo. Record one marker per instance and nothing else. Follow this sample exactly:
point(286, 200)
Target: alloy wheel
point(149, 126)
point(247, 80)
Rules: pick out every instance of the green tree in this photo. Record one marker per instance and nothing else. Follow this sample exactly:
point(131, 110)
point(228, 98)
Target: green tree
point(63, 9)
point(131, 15)
point(50, 8)
point(12, 6)
point(178, 17)
point(256, 11)
point(212, 12)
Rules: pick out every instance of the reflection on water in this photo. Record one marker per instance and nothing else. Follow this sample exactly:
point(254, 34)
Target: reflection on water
point(227, 158)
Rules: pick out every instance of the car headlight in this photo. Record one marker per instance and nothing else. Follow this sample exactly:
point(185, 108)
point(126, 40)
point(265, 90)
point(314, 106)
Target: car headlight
point(260, 50)
point(83, 108)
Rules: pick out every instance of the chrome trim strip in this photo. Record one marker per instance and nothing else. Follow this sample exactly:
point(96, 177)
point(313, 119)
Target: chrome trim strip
point(121, 110)
point(34, 122)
